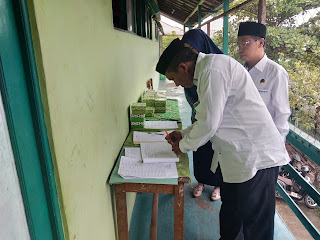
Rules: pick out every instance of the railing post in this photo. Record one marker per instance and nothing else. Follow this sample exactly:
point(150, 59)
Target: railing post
point(199, 16)
point(225, 27)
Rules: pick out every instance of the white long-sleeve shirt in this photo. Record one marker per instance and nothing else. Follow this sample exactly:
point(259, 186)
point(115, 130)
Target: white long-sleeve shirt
point(234, 117)
point(272, 80)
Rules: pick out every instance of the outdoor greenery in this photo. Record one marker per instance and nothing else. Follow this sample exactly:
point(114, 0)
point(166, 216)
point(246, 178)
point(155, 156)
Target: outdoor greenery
point(294, 45)
point(166, 40)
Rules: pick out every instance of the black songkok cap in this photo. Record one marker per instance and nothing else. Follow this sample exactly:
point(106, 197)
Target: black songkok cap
point(168, 54)
point(253, 29)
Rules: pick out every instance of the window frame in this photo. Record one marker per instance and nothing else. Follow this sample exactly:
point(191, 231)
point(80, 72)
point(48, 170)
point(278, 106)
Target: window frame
point(137, 20)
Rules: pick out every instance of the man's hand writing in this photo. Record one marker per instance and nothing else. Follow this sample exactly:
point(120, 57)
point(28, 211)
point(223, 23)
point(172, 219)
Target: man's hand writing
point(174, 137)
point(176, 148)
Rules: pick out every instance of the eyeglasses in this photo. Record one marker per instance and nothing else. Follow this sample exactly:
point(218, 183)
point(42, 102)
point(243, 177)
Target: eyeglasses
point(244, 44)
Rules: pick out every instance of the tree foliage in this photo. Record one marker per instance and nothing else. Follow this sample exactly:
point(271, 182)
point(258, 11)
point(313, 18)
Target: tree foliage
point(294, 45)
point(167, 39)
point(304, 95)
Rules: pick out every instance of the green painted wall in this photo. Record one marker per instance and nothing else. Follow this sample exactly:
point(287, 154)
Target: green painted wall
point(89, 74)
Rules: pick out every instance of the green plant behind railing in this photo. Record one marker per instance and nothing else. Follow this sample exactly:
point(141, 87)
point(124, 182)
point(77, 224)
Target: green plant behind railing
point(304, 96)
point(293, 40)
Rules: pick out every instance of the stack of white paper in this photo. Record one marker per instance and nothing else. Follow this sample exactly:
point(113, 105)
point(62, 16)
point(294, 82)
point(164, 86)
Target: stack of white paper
point(133, 152)
point(143, 137)
point(133, 168)
point(160, 152)
point(161, 124)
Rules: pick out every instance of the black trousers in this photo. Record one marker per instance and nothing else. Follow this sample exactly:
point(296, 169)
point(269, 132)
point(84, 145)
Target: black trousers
point(247, 210)
point(202, 160)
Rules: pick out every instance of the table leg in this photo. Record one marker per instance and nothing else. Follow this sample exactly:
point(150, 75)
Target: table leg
point(154, 217)
point(178, 211)
point(121, 208)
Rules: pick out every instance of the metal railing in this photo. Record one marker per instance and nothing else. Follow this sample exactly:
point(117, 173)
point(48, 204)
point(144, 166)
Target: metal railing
point(312, 152)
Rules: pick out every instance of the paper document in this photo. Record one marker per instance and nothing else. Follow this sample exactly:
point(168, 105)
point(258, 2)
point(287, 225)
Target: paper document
point(131, 168)
point(161, 124)
point(139, 137)
point(133, 152)
point(157, 152)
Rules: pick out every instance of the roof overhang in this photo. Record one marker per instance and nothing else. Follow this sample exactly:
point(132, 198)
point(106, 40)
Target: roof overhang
point(182, 10)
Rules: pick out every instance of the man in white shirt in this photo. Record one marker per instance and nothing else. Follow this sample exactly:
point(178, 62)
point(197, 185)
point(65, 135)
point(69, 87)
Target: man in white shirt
point(233, 116)
point(270, 78)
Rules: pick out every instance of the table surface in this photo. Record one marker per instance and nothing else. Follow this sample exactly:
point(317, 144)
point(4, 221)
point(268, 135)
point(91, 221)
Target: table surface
point(182, 165)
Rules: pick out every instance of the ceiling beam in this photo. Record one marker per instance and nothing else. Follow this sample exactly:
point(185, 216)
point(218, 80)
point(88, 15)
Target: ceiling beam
point(194, 10)
point(228, 12)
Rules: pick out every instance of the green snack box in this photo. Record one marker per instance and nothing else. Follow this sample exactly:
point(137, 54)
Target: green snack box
point(160, 109)
point(138, 115)
point(149, 102)
point(160, 102)
point(137, 124)
point(135, 127)
point(149, 111)
point(149, 94)
point(137, 119)
point(138, 108)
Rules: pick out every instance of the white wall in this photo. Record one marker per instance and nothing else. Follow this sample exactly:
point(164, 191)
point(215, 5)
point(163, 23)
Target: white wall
point(13, 223)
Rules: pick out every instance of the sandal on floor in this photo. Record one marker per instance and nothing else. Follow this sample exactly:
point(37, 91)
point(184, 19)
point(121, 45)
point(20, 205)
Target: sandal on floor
point(215, 195)
point(197, 190)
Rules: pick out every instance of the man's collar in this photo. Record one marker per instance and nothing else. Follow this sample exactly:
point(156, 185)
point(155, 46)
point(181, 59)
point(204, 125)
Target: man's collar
point(196, 68)
point(262, 63)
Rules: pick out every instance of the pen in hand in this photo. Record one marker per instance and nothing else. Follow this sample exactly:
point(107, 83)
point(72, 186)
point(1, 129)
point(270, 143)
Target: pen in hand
point(168, 138)
point(166, 133)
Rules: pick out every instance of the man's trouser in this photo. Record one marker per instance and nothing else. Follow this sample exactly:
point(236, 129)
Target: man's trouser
point(247, 210)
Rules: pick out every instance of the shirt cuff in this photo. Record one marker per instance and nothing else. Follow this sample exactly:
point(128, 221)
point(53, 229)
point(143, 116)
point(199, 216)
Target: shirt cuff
point(185, 131)
point(183, 147)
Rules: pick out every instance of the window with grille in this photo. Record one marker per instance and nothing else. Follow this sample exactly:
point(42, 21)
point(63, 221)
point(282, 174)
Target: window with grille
point(133, 16)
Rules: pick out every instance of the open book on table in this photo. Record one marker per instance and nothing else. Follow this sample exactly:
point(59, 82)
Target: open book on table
point(147, 137)
point(130, 168)
point(158, 152)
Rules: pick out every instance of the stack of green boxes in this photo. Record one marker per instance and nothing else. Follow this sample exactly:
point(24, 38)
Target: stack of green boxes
point(160, 102)
point(155, 101)
point(137, 115)
point(148, 98)
point(149, 111)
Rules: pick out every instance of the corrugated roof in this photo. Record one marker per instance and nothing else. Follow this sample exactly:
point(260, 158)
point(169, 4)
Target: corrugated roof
point(179, 10)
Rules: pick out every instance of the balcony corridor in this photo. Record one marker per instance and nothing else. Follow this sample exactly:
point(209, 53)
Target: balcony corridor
point(201, 216)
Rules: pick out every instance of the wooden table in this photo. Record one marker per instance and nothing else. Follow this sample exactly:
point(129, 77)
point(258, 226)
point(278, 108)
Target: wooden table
point(155, 186)
point(121, 205)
